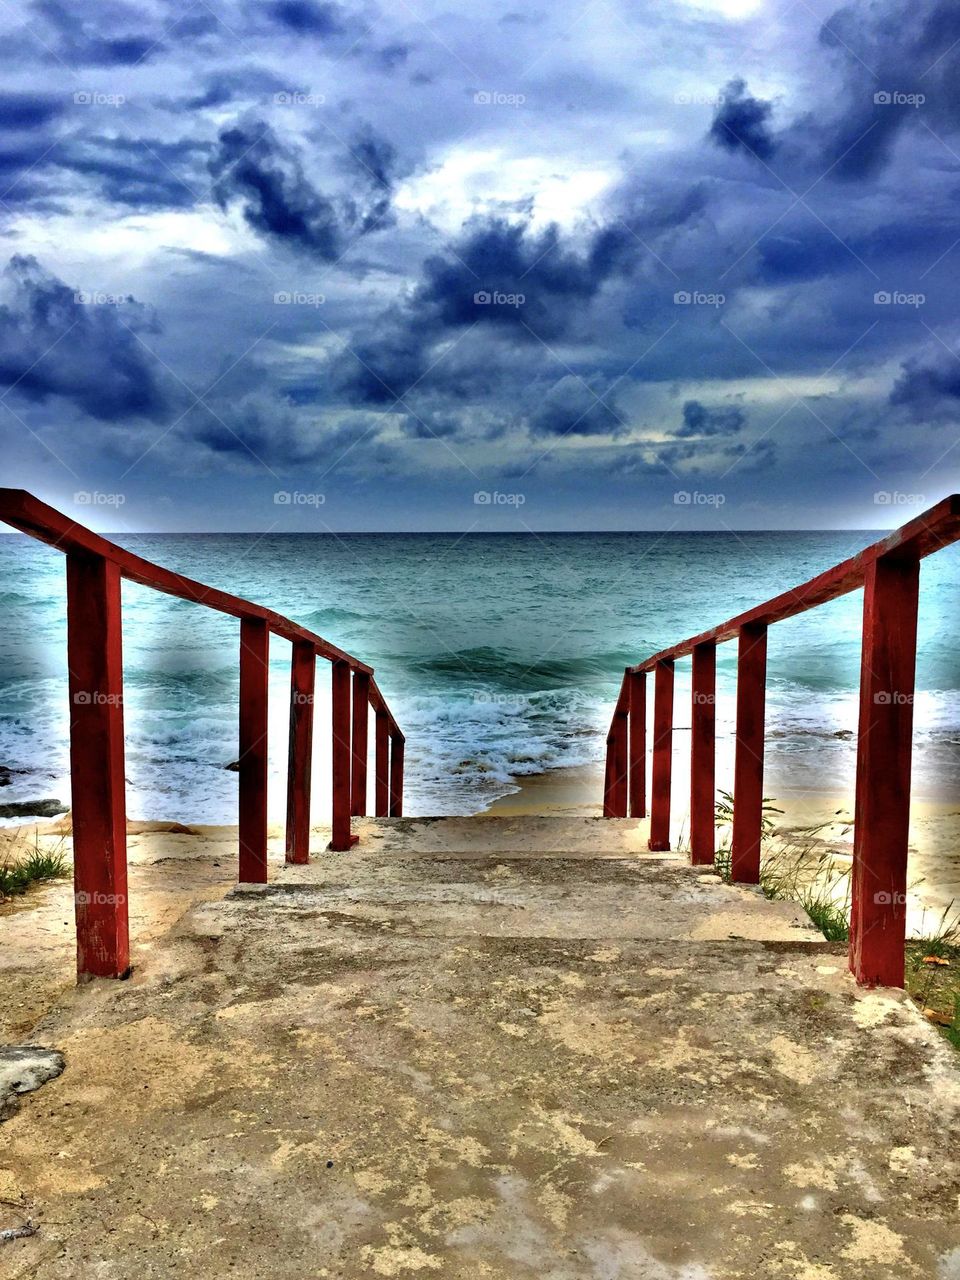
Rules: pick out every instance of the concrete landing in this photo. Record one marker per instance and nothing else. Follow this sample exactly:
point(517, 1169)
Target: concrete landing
point(430, 1057)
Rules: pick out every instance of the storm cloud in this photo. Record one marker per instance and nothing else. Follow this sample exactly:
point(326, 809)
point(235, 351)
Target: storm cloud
point(56, 341)
point(280, 202)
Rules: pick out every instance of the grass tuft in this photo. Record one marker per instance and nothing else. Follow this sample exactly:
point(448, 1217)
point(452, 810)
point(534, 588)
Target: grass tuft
point(19, 872)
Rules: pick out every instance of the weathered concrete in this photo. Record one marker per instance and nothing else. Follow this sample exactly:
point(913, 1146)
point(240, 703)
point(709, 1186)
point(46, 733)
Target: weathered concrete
point(334, 1078)
point(23, 1068)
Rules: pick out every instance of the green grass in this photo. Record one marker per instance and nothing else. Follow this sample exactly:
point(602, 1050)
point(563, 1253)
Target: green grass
point(19, 872)
point(721, 863)
point(723, 813)
point(831, 917)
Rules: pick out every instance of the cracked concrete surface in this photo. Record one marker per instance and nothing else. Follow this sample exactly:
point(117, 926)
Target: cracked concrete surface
point(509, 1048)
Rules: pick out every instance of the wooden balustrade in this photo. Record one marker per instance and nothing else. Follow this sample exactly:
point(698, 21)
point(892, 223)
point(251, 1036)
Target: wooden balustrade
point(95, 568)
point(889, 573)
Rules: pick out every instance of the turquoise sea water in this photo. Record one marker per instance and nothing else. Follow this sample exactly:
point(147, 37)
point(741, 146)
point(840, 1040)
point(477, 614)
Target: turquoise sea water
point(500, 655)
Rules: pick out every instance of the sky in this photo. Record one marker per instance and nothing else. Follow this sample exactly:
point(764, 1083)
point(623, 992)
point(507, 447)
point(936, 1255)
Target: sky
point(308, 265)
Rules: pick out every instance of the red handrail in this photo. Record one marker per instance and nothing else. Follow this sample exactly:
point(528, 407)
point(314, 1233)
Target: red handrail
point(889, 573)
point(95, 567)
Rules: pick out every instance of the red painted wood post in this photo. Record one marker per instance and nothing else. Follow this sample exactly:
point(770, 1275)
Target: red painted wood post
point(703, 725)
point(303, 670)
point(637, 748)
point(254, 677)
point(95, 662)
point(340, 837)
point(615, 805)
point(748, 764)
point(882, 818)
point(361, 720)
point(381, 784)
point(662, 757)
point(396, 778)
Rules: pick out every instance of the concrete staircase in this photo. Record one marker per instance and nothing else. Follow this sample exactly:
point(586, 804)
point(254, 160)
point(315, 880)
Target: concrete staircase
point(494, 1047)
point(531, 877)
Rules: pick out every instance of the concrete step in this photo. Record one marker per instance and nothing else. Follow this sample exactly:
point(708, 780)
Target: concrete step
point(515, 893)
point(483, 834)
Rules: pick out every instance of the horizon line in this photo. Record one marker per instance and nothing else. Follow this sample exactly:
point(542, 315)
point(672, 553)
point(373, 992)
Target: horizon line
point(463, 533)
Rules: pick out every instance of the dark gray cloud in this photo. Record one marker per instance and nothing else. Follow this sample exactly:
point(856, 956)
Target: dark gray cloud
point(124, 40)
point(308, 17)
point(252, 166)
point(742, 122)
point(57, 341)
point(29, 110)
point(521, 284)
point(700, 421)
point(143, 173)
point(929, 386)
point(578, 407)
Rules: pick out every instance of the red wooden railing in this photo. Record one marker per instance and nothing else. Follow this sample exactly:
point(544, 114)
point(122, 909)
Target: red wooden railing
point(95, 568)
point(889, 573)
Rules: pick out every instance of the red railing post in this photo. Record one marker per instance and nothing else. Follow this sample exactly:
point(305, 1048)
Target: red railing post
point(748, 764)
point(303, 669)
point(703, 723)
point(340, 837)
point(615, 795)
point(254, 678)
point(662, 757)
point(95, 662)
point(381, 782)
point(882, 815)
point(361, 720)
point(637, 745)
point(396, 778)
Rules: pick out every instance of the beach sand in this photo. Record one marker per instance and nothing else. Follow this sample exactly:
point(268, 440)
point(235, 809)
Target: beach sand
point(821, 818)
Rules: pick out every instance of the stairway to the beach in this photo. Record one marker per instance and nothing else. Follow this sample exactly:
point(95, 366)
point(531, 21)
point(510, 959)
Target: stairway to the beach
point(499, 1048)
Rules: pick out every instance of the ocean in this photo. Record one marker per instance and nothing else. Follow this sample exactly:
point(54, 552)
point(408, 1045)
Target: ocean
point(500, 655)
